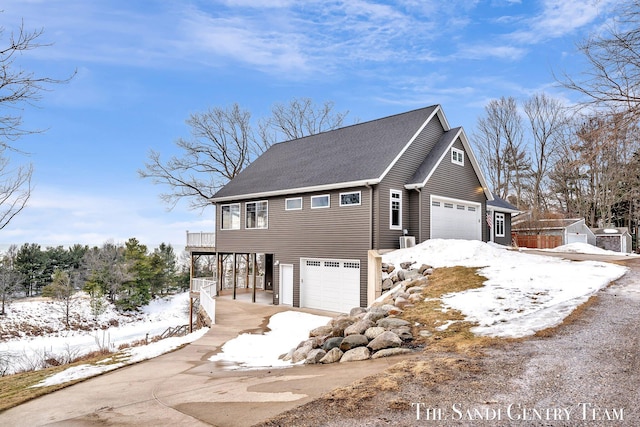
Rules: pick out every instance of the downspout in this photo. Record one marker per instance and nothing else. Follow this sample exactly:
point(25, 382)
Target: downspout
point(419, 214)
point(370, 215)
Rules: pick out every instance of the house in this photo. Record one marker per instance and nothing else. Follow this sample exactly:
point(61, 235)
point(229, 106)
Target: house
point(550, 232)
point(314, 207)
point(499, 214)
point(616, 239)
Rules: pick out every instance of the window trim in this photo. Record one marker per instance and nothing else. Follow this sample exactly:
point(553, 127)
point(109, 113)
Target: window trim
point(359, 193)
point(287, 208)
point(500, 224)
point(393, 226)
point(455, 153)
point(328, 196)
point(222, 217)
point(246, 215)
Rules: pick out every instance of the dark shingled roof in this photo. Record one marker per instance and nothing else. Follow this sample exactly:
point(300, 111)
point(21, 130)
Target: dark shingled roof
point(360, 152)
point(500, 203)
point(434, 156)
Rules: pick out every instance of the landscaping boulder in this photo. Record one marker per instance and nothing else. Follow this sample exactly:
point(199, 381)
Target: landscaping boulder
point(321, 331)
point(373, 332)
point(355, 354)
point(356, 311)
point(386, 352)
point(339, 324)
point(332, 356)
point(386, 339)
point(301, 353)
point(358, 328)
point(392, 322)
point(353, 341)
point(375, 314)
point(332, 342)
point(315, 355)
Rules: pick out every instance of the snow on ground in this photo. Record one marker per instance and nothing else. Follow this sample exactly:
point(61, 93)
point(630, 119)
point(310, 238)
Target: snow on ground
point(585, 248)
point(41, 316)
point(286, 330)
point(524, 293)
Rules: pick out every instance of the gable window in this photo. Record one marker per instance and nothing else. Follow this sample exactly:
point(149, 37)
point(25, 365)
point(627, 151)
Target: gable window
point(318, 202)
point(457, 156)
point(499, 224)
point(294, 204)
point(347, 199)
point(396, 210)
point(230, 217)
point(257, 214)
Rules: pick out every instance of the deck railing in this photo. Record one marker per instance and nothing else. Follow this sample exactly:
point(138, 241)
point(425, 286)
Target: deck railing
point(198, 284)
point(201, 240)
point(208, 302)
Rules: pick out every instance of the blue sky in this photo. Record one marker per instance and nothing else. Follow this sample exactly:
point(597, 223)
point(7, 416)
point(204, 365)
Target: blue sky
point(144, 66)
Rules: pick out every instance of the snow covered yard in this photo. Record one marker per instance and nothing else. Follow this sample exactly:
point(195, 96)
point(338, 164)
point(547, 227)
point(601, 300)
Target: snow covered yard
point(33, 331)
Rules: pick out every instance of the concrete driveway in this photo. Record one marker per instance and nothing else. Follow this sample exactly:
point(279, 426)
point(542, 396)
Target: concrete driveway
point(184, 388)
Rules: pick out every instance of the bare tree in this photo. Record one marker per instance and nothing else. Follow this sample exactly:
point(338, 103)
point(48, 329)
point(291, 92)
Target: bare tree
point(499, 138)
point(548, 124)
point(17, 88)
point(300, 118)
point(613, 56)
point(10, 277)
point(223, 143)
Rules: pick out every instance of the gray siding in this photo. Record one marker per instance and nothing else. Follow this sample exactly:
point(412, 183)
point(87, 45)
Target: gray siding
point(398, 176)
point(454, 181)
point(334, 232)
point(506, 240)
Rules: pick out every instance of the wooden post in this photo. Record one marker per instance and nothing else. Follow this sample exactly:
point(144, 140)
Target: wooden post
point(255, 273)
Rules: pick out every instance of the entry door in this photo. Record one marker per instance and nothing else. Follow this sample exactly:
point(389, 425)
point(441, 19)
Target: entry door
point(286, 284)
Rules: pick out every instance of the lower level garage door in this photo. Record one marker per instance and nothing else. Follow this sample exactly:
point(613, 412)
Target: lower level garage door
point(330, 284)
point(455, 219)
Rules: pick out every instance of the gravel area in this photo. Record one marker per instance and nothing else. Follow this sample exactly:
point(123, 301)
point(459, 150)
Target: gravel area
point(585, 373)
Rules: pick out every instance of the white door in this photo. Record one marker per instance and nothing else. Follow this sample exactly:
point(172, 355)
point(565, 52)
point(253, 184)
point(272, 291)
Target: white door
point(455, 219)
point(286, 284)
point(576, 238)
point(330, 284)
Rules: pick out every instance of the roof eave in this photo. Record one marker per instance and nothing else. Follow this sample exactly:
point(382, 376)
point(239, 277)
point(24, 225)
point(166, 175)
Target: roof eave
point(284, 192)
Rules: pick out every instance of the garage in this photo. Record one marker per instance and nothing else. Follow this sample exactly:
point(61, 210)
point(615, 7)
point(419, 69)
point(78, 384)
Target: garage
point(330, 284)
point(455, 219)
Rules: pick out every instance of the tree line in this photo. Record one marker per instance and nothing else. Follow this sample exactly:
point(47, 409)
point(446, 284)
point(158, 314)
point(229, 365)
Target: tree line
point(127, 275)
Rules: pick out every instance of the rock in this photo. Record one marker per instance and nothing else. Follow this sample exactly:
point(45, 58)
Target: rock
point(386, 339)
point(415, 298)
point(392, 322)
point(375, 314)
point(423, 268)
point(355, 354)
point(428, 272)
point(358, 328)
point(395, 311)
point(387, 284)
point(356, 311)
point(387, 352)
point(373, 332)
point(332, 356)
point(401, 302)
point(401, 293)
point(400, 275)
point(339, 324)
point(300, 354)
point(314, 356)
point(287, 356)
point(353, 341)
point(404, 332)
point(415, 290)
point(405, 265)
point(425, 334)
point(412, 274)
point(332, 342)
point(321, 331)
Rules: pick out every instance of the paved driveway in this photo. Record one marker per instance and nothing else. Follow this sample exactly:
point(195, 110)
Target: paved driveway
point(183, 388)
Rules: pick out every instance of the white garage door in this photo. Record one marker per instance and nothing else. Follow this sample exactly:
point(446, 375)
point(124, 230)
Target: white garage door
point(455, 219)
point(330, 284)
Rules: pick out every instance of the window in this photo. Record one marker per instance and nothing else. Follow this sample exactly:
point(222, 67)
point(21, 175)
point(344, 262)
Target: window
point(230, 217)
point(318, 202)
point(499, 224)
point(293, 204)
point(448, 205)
point(257, 214)
point(435, 203)
point(396, 210)
point(457, 156)
point(347, 199)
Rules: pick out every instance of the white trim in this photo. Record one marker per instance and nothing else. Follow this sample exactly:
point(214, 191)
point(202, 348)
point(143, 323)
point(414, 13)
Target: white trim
point(456, 152)
point(281, 291)
point(499, 216)
point(239, 217)
point(286, 208)
point(359, 193)
point(246, 215)
point(328, 196)
point(327, 187)
point(391, 225)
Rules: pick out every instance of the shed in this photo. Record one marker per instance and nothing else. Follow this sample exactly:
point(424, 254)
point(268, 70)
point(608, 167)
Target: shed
point(616, 239)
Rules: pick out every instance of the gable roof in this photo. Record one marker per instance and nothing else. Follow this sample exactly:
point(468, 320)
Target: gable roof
point(356, 155)
point(501, 205)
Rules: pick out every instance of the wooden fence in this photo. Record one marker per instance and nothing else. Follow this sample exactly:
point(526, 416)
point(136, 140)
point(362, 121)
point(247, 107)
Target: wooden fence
point(538, 241)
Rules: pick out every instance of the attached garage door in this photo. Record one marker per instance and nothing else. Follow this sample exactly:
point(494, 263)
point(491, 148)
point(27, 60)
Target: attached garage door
point(455, 219)
point(330, 284)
